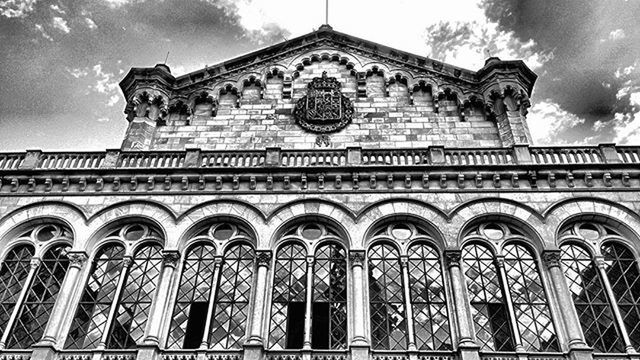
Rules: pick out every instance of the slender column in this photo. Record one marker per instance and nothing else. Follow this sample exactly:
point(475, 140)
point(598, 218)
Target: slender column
point(170, 260)
point(463, 312)
point(263, 259)
point(404, 261)
point(307, 316)
point(62, 307)
point(599, 260)
point(212, 300)
point(34, 264)
point(356, 258)
point(507, 294)
point(126, 264)
point(551, 260)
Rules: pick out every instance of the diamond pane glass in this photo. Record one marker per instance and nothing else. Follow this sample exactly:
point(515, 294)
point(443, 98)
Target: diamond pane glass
point(330, 286)
point(13, 274)
point(430, 318)
point(529, 300)
point(289, 286)
point(195, 287)
point(232, 298)
point(386, 296)
point(590, 300)
point(40, 299)
point(622, 271)
point(488, 306)
point(90, 321)
point(134, 305)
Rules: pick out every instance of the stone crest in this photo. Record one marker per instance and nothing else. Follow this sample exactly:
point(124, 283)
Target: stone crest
point(324, 109)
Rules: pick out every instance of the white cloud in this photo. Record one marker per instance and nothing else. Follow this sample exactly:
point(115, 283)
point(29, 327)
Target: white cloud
point(61, 24)
point(57, 9)
point(617, 35)
point(103, 119)
point(16, 8)
point(90, 23)
point(44, 34)
point(547, 121)
point(113, 100)
point(116, 3)
point(78, 73)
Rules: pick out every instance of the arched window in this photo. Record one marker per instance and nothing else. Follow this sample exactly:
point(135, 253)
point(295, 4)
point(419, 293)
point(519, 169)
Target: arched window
point(596, 289)
point(386, 298)
point(288, 302)
point(329, 306)
point(512, 278)
point(39, 284)
point(115, 304)
point(213, 297)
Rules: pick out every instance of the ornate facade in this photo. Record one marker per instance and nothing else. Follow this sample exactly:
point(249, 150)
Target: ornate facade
point(323, 198)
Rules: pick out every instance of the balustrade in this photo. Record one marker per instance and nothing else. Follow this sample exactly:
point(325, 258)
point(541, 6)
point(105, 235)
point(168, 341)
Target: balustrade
point(395, 157)
point(291, 158)
point(233, 159)
point(478, 156)
point(51, 161)
point(566, 155)
point(11, 161)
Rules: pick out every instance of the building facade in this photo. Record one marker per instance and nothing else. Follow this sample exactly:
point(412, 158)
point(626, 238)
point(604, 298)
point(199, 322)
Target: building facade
point(323, 198)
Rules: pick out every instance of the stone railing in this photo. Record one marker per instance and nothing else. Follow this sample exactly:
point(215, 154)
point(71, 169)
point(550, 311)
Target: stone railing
point(325, 158)
point(520, 356)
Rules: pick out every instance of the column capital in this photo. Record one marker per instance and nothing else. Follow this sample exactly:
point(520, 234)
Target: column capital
point(452, 258)
point(170, 258)
point(404, 260)
point(35, 262)
point(310, 260)
point(127, 261)
point(551, 258)
point(263, 257)
point(600, 262)
point(356, 258)
point(77, 258)
point(499, 261)
point(218, 260)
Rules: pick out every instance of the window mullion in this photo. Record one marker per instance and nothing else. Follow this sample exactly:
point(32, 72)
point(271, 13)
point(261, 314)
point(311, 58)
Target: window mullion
point(507, 294)
point(212, 300)
point(307, 316)
point(600, 263)
point(404, 263)
point(356, 259)
point(34, 264)
point(127, 261)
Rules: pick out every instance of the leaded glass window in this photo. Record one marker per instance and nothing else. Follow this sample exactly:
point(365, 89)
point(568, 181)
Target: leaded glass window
point(622, 270)
point(13, 275)
point(329, 307)
point(118, 281)
point(232, 298)
point(428, 300)
point(488, 304)
point(529, 300)
point(386, 298)
point(289, 297)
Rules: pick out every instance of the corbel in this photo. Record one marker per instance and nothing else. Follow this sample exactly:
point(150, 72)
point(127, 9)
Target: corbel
point(218, 182)
point(235, 182)
point(185, 183)
point(443, 181)
point(167, 182)
point(515, 180)
point(533, 179)
point(479, 183)
point(99, 183)
point(15, 183)
point(570, 179)
point(48, 184)
point(286, 183)
point(303, 182)
point(373, 182)
point(252, 183)
point(202, 183)
point(115, 186)
point(425, 181)
point(355, 178)
point(133, 183)
point(551, 179)
point(588, 179)
point(626, 179)
point(31, 185)
point(151, 183)
point(82, 184)
point(496, 181)
point(407, 181)
point(461, 181)
point(606, 178)
point(390, 181)
point(321, 181)
point(269, 182)
point(338, 182)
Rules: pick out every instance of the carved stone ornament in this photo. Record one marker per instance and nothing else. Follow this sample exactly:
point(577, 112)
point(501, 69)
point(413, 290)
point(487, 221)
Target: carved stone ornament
point(356, 257)
point(324, 109)
point(77, 259)
point(551, 258)
point(263, 257)
point(170, 257)
point(452, 258)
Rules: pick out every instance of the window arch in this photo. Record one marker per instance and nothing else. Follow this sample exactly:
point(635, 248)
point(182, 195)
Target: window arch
point(508, 300)
point(213, 296)
point(38, 281)
point(115, 304)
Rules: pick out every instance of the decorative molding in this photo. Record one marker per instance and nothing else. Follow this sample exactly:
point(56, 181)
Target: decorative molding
point(170, 257)
point(452, 258)
point(263, 257)
point(77, 258)
point(356, 257)
point(551, 258)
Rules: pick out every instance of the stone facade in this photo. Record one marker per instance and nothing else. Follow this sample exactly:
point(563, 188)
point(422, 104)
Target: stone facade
point(430, 147)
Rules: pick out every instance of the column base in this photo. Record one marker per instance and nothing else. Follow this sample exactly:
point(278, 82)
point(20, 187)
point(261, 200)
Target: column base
point(148, 352)
point(253, 351)
point(43, 351)
point(469, 351)
point(581, 354)
point(254, 341)
point(359, 352)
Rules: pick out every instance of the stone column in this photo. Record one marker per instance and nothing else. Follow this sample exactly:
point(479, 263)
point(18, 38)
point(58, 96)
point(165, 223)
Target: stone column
point(255, 344)
point(170, 260)
point(404, 262)
point(63, 306)
point(512, 314)
point(359, 343)
point(126, 264)
point(306, 345)
point(599, 260)
point(212, 299)
point(34, 264)
point(463, 312)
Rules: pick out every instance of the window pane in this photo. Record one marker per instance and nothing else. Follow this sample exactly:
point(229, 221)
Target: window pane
point(13, 274)
point(232, 299)
point(430, 318)
point(386, 296)
point(193, 298)
point(529, 300)
point(90, 320)
point(42, 295)
point(289, 287)
point(330, 298)
point(134, 305)
point(590, 300)
point(488, 306)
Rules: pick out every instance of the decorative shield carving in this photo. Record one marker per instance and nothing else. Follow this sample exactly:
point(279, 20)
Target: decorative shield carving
point(324, 109)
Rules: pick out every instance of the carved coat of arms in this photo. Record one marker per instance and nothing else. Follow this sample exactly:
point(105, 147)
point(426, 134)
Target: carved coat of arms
point(324, 109)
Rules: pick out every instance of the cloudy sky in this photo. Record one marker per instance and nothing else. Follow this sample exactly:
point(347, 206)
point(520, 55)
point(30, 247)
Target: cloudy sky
point(61, 60)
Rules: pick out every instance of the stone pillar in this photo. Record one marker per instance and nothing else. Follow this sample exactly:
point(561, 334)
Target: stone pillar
point(126, 264)
point(212, 299)
point(170, 260)
point(254, 345)
point(599, 260)
point(467, 347)
point(35, 263)
point(404, 262)
point(359, 344)
point(512, 314)
point(306, 345)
